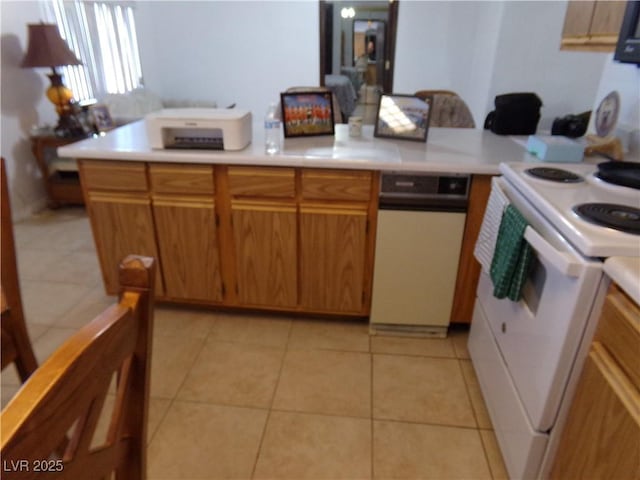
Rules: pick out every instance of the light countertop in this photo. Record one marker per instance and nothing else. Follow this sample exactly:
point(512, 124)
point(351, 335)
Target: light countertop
point(454, 150)
point(625, 271)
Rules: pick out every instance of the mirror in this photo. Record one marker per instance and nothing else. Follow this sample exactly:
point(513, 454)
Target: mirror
point(348, 29)
point(367, 38)
point(357, 44)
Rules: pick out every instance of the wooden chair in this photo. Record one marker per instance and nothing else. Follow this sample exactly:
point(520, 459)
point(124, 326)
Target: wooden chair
point(16, 346)
point(430, 93)
point(60, 404)
point(447, 109)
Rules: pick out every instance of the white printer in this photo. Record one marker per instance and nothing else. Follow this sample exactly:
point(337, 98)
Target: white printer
point(199, 128)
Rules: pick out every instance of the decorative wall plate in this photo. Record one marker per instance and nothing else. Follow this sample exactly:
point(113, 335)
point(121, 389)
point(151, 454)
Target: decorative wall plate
point(607, 114)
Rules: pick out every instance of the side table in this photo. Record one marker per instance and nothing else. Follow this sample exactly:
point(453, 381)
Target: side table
point(60, 175)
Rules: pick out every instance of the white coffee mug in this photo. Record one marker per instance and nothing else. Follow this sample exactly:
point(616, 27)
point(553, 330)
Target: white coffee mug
point(355, 126)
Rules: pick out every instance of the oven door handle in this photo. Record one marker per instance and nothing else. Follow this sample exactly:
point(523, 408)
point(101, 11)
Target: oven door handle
point(561, 261)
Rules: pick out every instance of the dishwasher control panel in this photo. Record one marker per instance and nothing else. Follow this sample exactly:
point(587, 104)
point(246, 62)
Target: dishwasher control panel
point(426, 190)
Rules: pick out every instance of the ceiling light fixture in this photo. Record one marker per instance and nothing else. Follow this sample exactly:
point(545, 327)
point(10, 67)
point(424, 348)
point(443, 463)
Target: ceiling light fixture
point(348, 12)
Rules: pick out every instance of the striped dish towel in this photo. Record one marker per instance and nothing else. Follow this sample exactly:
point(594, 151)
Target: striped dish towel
point(512, 256)
point(486, 243)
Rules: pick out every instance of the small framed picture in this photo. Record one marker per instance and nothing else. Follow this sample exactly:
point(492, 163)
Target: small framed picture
point(307, 114)
point(101, 117)
point(404, 117)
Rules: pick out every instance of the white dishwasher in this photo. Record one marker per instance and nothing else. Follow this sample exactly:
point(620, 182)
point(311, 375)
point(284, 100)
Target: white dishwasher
point(420, 226)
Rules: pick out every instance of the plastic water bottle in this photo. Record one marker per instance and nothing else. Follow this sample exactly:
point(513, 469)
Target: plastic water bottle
point(272, 131)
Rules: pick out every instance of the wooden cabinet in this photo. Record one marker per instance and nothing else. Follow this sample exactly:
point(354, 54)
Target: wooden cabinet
point(333, 242)
point(264, 225)
point(592, 25)
point(602, 434)
point(336, 248)
point(186, 231)
point(468, 266)
point(272, 238)
point(300, 238)
point(60, 176)
point(266, 254)
point(121, 217)
point(122, 224)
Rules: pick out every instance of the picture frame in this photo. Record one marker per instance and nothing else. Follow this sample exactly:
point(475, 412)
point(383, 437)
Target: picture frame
point(100, 117)
point(307, 114)
point(404, 117)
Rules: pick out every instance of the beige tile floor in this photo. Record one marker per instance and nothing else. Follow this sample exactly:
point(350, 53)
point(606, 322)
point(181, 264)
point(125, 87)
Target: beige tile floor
point(239, 396)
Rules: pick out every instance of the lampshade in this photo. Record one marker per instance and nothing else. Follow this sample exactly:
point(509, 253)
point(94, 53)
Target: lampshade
point(47, 48)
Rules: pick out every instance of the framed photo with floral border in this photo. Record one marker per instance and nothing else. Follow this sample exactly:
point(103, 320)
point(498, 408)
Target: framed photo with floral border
point(307, 114)
point(404, 117)
point(101, 118)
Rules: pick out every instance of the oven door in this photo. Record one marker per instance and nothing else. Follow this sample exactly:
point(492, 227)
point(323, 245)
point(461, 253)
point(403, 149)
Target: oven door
point(538, 336)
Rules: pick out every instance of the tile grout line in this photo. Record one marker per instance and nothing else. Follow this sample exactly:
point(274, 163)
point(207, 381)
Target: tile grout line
point(475, 416)
point(174, 397)
point(485, 450)
point(372, 429)
point(468, 391)
point(273, 397)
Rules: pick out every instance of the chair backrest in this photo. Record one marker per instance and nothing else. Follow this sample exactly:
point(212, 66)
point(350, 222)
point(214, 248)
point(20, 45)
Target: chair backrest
point(55, 413)
point(337, 114)
point(447, 109)
point(16, 346)
point(430, 93)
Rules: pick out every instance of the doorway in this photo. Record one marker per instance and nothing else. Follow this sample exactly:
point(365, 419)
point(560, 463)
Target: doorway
point(364, 30)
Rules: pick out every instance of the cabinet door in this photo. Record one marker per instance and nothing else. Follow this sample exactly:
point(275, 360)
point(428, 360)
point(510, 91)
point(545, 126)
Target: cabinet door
point(592, 25)
point(577, 20)
point(333, 242)
point(265, 250)
point(468, 267)
point(602, 434)
point(122, 225)
point(188, 243)
point(607, 18)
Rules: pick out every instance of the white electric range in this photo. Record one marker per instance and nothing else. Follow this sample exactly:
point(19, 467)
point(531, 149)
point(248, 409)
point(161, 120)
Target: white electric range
point(559, 200)
point(528, 354)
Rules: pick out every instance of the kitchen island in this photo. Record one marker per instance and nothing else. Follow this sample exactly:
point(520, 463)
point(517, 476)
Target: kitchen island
point(453, 150)
point(291, 232)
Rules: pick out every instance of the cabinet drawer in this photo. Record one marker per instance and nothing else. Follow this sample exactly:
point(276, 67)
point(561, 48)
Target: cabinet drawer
point(336, 184)
point(105, 175)
point(182, 179)
point(262, 182)
point(619, 332)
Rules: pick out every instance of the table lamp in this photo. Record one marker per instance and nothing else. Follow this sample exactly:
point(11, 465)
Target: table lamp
point(48, 49)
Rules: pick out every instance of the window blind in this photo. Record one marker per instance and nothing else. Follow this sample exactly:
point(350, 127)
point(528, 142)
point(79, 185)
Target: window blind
point(103, 36)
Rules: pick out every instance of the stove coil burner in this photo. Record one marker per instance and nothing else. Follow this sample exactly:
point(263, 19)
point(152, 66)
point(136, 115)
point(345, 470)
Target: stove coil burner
point(619, 217)
point(554, 174)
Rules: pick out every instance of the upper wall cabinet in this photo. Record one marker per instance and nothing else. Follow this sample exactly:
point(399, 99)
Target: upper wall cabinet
point(592, 25)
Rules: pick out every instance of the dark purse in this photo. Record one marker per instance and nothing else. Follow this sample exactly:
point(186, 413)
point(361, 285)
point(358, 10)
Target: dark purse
point(514, 114)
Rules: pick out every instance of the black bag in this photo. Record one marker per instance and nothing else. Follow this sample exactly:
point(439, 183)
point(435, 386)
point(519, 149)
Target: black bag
point(515, 114)
point(572, 126)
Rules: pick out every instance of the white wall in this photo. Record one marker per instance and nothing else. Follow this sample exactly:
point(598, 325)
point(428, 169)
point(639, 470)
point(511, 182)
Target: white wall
point(421, 60)
point(528, 59)
point(229, 52)
point(22, 104)
point(482, 49)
